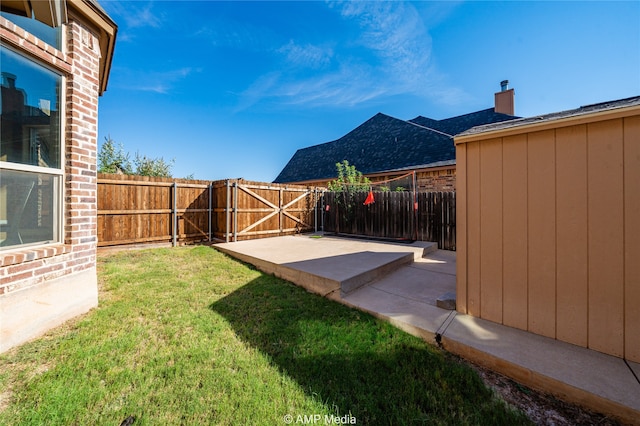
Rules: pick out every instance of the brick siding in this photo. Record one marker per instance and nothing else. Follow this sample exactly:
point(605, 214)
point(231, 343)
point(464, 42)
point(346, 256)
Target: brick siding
point(80, 64)
point(437, 181)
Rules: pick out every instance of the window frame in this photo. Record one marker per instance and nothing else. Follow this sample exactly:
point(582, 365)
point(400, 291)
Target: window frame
point(59, 173)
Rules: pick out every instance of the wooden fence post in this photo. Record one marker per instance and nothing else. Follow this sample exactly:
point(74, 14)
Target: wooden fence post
point(235, 211)
point(210, 208)
point(174, 231)
point(227, 212)
point(280, 204)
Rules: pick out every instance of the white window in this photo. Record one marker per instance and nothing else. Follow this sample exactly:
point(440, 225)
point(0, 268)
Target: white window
point(31, 152)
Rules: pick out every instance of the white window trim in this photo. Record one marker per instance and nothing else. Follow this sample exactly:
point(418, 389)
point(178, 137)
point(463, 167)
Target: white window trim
point(59, 213)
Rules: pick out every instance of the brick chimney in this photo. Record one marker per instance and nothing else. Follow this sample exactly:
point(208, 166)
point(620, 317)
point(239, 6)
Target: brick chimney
point(505, 99)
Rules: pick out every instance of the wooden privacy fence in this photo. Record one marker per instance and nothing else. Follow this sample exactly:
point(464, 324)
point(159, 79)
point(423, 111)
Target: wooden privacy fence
point(393, 215)
point(137, 209)
point(436, 219)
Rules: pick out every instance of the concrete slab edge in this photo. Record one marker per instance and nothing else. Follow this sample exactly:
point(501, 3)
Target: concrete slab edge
point(443, 327)
point(543, 383)
point(426, 335)
point(352, 284)
point(312, 283)
point(431, 248)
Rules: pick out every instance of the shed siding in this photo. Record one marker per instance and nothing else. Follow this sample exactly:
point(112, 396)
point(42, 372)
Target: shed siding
point(552, 225)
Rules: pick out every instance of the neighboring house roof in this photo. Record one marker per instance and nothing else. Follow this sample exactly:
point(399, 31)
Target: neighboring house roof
point(562, 115)
point(385, 143)
point(459, 124)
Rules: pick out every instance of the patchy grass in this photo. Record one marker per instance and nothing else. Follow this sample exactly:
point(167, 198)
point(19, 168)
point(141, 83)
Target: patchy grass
point(190, 336)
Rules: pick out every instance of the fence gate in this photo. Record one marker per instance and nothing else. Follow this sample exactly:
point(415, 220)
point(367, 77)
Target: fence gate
point(256, 210)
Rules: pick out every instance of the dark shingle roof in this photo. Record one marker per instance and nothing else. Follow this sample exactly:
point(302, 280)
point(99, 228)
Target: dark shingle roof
point(459, 124)
point(583, 110)
point(384, 143)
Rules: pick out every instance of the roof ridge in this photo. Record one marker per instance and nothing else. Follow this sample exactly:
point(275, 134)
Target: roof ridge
point(455, 117)
point(472, 113)
point(429, 128)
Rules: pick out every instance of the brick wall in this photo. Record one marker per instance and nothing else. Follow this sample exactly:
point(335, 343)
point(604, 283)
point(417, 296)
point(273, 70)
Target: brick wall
point(20, 269)
point(439, 180)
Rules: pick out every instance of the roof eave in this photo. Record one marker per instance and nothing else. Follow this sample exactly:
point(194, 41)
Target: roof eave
point(91, 10)
point(517, 128)
point(444, 164)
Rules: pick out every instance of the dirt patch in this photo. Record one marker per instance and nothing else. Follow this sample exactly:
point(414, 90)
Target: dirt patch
point(5, 399)
point(543, 409)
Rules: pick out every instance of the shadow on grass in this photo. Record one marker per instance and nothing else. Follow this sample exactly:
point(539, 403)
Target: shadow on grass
point(355, 363)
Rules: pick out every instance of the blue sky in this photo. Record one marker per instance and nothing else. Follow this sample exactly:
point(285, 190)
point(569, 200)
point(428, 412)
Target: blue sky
point(233, 89)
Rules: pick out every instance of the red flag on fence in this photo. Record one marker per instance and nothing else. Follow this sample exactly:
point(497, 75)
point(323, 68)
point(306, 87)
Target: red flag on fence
point(369, 199)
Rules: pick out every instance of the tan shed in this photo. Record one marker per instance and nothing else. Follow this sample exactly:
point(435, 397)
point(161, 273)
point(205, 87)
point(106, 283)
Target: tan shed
point(549, 225)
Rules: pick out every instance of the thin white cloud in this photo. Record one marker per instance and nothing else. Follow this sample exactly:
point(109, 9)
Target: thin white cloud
point(163, 82)
point(230, 33)
point(390, 55)
point(258, 90)
point(348, 86)
point(143, 17)
point(134, 14)
point(395, 34)
point(306, 55)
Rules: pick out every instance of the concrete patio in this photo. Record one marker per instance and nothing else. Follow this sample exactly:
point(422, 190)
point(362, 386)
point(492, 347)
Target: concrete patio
point(402, 283)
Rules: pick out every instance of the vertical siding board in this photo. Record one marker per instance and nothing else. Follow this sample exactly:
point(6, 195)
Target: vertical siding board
point(461, 228)
point(606, 239)
point(491, 228)
point(541, 232)
point(514, 224)
point(473, 229)
point(571, 234)
point(631, 238)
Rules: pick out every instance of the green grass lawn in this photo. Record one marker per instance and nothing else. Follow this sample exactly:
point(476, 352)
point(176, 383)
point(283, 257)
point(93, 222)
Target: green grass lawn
point(191, 336)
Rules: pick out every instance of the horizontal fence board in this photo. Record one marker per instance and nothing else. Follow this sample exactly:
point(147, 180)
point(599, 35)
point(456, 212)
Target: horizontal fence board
point(115, 212)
